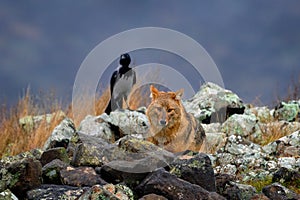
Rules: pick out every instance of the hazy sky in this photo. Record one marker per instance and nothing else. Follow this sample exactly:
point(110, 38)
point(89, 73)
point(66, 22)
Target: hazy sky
point(255, 44)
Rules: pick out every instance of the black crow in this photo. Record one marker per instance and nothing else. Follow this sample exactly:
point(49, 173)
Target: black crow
point(121, 83)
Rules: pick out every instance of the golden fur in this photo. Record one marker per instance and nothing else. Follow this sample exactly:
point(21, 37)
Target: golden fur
point(171, 126)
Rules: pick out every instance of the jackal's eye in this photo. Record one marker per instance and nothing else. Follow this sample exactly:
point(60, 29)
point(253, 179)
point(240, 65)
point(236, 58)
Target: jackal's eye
point(170, 110)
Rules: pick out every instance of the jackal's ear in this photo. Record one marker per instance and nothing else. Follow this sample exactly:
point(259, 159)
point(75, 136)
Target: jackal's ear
point(154, 92)
point(179, 94)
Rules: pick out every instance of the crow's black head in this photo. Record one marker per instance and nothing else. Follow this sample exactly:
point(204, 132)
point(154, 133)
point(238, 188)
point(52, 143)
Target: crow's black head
point(125, 59)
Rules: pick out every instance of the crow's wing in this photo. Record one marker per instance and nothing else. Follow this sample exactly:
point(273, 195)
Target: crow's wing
point(113, 81)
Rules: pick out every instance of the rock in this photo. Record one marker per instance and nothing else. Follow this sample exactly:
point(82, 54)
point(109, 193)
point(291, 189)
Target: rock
point(263, 114)
point(214, 104)
point(20, 174)
point(276, 191)
point(51, 171)
point(81, 176)
point(196, 170)
point(161, 182)
point(238, 156)
point(113, 175)
point(95, 126)
point(287, 176)
point(61, 135)
point(231, 190)
point(126, 155)
point(7, 195)
point(55, 192)
point(91, 151)
point(287, 162)
point(28, 123)
point(108, 191)
point(259, 197)
point(214, 141)
point(140, 156)
point(55, 153)
point(287, 111)
point(152, 197)
point(129, 122)
point(212, 128)
point(286, 146)
point(243, 125)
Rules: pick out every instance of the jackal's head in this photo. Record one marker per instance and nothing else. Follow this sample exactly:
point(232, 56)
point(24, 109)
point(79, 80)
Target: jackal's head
point(165, 109)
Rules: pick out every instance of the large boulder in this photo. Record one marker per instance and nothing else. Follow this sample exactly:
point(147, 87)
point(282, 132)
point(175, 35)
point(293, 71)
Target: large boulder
point(127, 155)
point(20, 173)
point(168, 185)
point(196, 170)
point(214, 104)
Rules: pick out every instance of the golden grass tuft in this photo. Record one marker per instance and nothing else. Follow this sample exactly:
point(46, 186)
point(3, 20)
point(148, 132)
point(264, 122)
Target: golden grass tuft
point(15, 138)
point(275, 130)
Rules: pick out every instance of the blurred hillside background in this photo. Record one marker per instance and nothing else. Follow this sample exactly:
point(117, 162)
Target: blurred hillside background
point(255, 44)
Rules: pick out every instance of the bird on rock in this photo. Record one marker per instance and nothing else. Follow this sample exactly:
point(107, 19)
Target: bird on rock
point(121, 83)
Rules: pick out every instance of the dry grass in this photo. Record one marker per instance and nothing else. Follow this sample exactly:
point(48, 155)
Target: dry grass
point(14, 137)
point(292, 92)
point(275, 130)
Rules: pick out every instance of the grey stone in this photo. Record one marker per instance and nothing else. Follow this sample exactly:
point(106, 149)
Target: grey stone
point(212, 127)
point(61, 135)
point(95, 126)
point(214, 104)
point(7, 195)
point(287, 111)
point(128, 154)
point(287, 162)
point(263, 114)
point(214, 141)
point(29, 122)
point(243, 125)
point(196, 170)
point(286, 146)
point(129, 122)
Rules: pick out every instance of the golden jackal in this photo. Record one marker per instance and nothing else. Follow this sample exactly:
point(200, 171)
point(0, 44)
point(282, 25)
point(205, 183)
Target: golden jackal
point(171, 126)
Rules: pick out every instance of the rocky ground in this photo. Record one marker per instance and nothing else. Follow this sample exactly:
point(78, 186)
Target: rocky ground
point(107, 157)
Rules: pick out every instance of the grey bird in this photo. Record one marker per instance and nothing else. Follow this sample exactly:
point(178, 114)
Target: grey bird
point(121, 83)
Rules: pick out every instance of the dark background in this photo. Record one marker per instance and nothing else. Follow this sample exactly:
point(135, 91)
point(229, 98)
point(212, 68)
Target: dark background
point(255, 44)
